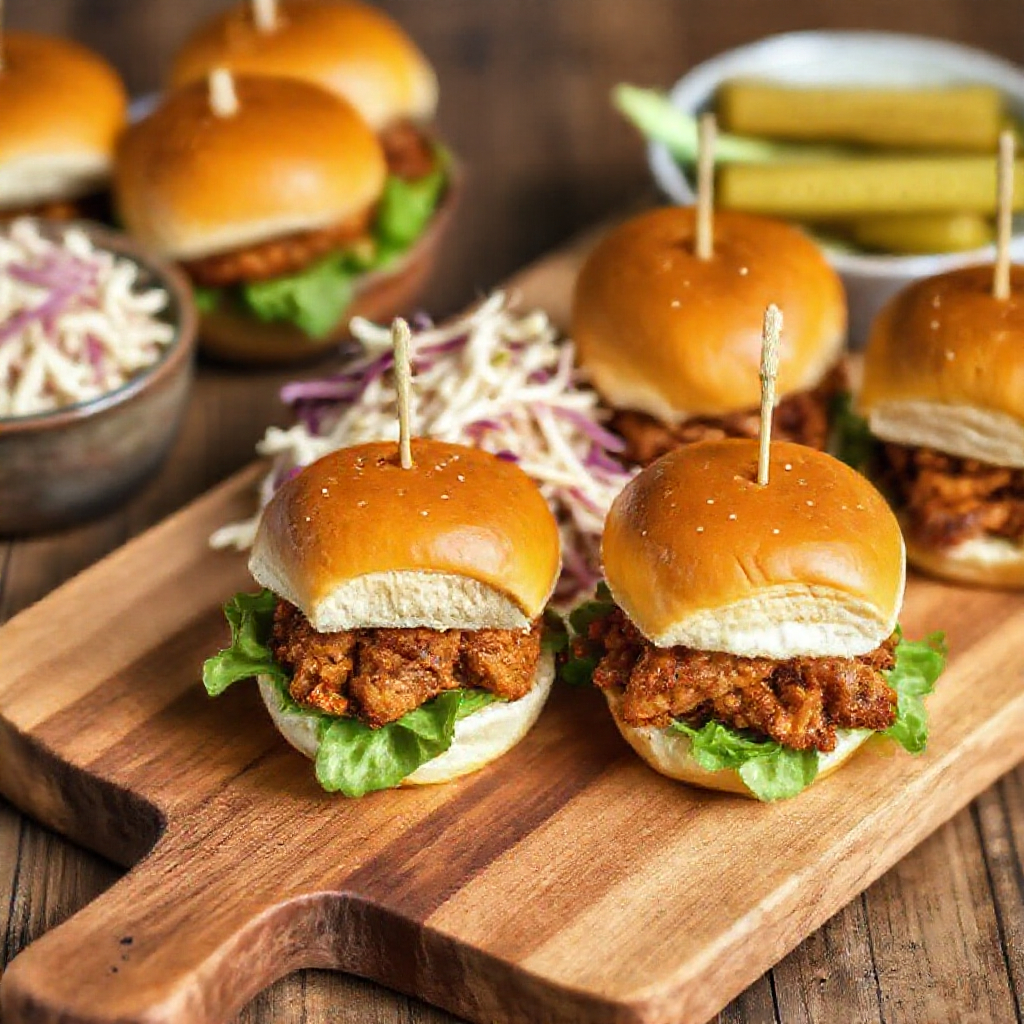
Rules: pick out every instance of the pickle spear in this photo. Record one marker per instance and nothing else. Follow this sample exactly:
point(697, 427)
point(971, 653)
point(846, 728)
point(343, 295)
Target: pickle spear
point(917, 234)
point(846, 189)
point(961, 117)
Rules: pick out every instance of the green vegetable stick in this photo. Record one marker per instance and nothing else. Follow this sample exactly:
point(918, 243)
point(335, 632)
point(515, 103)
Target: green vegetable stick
point(922, 232)
point(844, 189)
point(654, 116)
point(964, 117)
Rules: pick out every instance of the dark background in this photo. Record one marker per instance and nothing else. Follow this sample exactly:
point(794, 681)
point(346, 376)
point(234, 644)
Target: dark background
point(524, 101)
point(524, 88)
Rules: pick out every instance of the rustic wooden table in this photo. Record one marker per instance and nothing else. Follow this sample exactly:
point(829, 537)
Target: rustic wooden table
point(524, 101)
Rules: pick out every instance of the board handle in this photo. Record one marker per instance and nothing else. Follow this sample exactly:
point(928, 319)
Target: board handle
point(164, 946)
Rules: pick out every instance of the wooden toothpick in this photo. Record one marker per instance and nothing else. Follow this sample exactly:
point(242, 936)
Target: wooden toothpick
point(706, 133)
point(1, 35)
point(223, 98)
point(1004, 216)
point(401, 339)
point(769, 371)
point(264, 14)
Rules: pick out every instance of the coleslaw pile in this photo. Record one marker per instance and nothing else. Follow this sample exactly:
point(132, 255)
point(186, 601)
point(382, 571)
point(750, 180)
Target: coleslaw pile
point(494, 379)
point(73, 322)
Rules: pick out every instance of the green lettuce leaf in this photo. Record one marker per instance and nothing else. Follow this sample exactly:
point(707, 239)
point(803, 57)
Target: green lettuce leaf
point(577, 669)
point(251, 617)
point(919, 663)
point(406, 207)
point(657, 118)
point(850, 438)
point(773, 772)
point(206, 299)
point(313, 299)
point(780, 776)
point(769, 770)
point(601, 605)
point(352, 758)
point(473, 701)
point(555, 638)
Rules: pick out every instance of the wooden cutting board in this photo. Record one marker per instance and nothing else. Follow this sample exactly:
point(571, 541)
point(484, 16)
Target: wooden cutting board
point(564, 883)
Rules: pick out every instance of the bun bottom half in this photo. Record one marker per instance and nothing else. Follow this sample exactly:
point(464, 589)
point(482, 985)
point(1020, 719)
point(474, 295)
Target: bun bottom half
point(479, 738)
point(668, 752)
point(983, 562)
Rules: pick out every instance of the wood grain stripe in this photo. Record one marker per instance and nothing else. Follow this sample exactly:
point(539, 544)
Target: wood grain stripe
point(490, 815)
point(138, 703)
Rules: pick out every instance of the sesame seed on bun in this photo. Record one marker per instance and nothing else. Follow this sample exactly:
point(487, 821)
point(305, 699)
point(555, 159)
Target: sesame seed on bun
point(666, 333)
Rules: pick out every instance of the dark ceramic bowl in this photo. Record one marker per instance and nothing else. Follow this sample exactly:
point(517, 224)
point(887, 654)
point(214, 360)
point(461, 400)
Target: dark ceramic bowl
point(58, 468)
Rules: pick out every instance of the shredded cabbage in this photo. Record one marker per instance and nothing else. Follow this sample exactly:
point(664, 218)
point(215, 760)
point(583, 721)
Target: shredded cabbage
point(494, 378)
point(75, 323)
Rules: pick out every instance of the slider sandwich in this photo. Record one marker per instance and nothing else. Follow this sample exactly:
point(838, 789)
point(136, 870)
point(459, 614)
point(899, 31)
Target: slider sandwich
point(347, 47)
point(284, 208)
point(747, 637)
point(353, 50)
point(672, 340)
point(399, 637)
point(943, 394)
point(62, 108)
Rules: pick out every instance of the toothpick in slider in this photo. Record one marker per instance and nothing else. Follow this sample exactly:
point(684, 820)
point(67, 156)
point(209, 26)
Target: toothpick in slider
point(706, 133)
point(1004, 216)
point(401, 339)
point(223, 98)
point(264, 14)
point(769, 371)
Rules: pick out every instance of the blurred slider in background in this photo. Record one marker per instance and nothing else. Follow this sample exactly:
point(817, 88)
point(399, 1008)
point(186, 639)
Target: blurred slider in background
point(943, 391)
point(267, 95)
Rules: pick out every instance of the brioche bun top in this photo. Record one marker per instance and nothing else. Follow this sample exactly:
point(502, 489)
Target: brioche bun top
point(462, 540)
point(697, 554)
point(350, 48)
point(664, 332)
point(292, 158)
point(61, 109)
point(944, 367)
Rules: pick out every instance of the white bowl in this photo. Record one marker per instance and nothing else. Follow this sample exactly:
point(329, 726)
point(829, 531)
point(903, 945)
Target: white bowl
point(846, 58)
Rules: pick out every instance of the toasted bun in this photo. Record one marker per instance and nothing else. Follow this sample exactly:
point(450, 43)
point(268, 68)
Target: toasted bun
point(349, 48)
point(61, 110)
point(668, 751)
point(984, 561)
point(479, 739)
point(697, 554)
point(463, 540)
point(944, 367)
point(664, 332)
point(292, 158)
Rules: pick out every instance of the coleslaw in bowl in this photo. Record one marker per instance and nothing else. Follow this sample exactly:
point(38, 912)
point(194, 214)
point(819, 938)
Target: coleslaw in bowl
point(97, 339)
